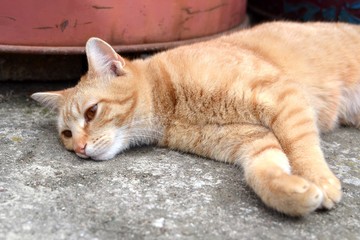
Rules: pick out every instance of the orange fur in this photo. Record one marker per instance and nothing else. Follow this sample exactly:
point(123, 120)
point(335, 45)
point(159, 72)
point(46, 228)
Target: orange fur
point(257, 98)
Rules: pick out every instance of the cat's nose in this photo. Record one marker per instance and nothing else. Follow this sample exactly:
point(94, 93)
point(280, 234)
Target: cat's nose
point(80, 148)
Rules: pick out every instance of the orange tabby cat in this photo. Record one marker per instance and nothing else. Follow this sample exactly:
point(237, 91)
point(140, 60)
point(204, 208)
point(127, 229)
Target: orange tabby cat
point(257, 98)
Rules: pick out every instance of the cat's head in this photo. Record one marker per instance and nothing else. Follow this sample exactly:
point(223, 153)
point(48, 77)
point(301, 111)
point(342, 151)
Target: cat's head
point(94, 116)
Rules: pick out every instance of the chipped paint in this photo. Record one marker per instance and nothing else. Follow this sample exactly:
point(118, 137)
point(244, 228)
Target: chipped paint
point(97, 7)
point(63, 25)
point(9, 18)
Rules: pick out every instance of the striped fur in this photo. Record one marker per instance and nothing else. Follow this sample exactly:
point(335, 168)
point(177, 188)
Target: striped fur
point(258, 98)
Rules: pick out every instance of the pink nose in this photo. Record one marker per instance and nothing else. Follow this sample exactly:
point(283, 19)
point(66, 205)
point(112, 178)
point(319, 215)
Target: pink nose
point(80, 148)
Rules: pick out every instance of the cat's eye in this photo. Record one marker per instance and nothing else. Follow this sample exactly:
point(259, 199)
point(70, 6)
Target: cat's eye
point(90, 113)
point(67, 133)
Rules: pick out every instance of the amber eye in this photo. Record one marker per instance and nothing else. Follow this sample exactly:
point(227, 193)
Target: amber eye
point(67, 133)
point(90, 113)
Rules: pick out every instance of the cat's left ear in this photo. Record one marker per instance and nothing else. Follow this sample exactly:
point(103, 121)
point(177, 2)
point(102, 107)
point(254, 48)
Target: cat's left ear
point(103, 59)
point(49, 99)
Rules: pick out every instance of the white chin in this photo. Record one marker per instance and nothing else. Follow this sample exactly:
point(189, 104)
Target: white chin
point(118, 145)
point(82, 155)
point(109, 153)
point(103, 157)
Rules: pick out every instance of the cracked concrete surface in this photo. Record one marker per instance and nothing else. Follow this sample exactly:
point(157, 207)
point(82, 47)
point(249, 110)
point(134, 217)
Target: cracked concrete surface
point(47, 192)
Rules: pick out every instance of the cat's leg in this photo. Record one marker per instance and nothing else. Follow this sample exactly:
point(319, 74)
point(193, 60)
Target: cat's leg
point(293, 122)
point(257, 150)
point(267, 170)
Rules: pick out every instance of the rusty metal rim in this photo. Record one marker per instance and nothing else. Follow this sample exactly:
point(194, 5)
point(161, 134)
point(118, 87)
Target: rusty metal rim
point(125, 48)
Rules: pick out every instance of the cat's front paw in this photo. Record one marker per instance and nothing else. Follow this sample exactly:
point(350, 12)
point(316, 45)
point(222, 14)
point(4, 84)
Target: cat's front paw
point(331, 188)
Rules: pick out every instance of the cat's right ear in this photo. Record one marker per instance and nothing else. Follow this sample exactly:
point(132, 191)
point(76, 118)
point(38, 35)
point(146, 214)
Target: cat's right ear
point(49, 99)
point(103, 59)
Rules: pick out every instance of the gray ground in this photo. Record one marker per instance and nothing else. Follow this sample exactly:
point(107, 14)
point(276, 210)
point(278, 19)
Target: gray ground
point(146, 193)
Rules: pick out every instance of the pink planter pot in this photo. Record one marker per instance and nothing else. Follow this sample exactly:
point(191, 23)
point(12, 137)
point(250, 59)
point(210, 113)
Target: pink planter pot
point(129, 24)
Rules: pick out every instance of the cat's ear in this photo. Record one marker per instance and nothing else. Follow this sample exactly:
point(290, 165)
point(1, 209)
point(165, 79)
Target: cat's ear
point(49, 99)
point(103, 59)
